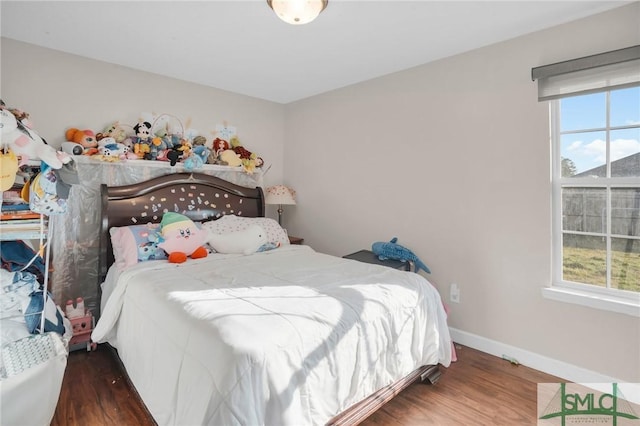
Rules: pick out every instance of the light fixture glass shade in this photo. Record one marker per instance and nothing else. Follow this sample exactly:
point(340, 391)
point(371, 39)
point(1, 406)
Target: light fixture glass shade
point(297, 12)
point(280, 194)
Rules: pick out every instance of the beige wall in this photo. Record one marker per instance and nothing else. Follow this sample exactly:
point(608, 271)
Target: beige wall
point(453, 158)
point(60, 90)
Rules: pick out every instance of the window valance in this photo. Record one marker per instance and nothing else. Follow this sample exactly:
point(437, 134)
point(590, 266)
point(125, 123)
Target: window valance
point(605, 71)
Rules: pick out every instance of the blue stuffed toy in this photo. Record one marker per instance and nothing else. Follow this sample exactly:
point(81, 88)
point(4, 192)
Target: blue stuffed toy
point(392, 250)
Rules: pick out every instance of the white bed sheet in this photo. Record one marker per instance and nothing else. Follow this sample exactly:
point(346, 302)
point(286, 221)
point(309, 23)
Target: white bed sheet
point(284, 337)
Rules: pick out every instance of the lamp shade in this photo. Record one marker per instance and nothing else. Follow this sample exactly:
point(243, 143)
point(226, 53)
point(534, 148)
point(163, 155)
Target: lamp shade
point(280, 194)
point(297, 12)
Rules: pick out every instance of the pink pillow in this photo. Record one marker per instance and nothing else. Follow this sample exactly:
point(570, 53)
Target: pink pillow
point(135, 243)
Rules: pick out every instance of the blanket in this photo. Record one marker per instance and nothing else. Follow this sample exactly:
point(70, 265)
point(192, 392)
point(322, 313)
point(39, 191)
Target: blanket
point(284, 337)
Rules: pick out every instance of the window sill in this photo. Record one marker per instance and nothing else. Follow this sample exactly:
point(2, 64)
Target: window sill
point(627, 306)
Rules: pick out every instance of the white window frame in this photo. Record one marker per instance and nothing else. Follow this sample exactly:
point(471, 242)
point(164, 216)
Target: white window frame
point(621, 301)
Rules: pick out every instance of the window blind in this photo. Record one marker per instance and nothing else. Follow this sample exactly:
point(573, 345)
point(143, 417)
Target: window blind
point(605, 71)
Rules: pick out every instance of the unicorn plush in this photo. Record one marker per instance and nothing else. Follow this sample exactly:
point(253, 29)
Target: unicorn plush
point(26, 143)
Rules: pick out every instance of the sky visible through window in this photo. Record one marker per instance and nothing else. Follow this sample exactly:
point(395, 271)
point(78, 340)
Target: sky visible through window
point(587, 149)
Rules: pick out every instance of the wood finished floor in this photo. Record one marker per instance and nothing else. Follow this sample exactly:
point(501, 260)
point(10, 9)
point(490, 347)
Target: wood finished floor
point(479, 389)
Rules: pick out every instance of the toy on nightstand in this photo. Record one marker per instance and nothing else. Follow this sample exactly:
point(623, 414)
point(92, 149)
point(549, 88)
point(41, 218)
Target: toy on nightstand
point(82, 323)
point(393, 250)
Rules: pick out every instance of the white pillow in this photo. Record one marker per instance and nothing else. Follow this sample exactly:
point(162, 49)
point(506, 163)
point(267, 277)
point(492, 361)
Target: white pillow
point(233, 223)
point(246, 241)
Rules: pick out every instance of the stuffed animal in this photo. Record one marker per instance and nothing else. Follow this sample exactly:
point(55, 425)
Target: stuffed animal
point(181, 238)
point(269, 246)
point(393, 250)
point(172, 155)
point(86, 138)
point(200, 151)
point(230, 158)
point(110, 148)
point(8, 170)
point(247, 241)
point(115, 131)
point(142, 140)
point(193, 162)
point(26, 143)
point(249, 160)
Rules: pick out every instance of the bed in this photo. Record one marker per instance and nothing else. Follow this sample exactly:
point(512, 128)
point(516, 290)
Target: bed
point(286, 336)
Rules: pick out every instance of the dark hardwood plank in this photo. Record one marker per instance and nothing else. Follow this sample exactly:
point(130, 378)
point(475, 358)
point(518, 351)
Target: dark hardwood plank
point(96, 391)
point(479, 389)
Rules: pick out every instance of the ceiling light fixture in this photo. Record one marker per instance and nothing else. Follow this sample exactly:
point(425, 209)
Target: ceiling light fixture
point(297, 12)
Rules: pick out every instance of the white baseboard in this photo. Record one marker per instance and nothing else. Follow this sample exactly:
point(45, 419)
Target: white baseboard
point(566, 371)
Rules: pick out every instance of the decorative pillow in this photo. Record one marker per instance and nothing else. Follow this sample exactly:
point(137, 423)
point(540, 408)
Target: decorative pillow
point(233, 223)
point(135, 243)
point(246, 241)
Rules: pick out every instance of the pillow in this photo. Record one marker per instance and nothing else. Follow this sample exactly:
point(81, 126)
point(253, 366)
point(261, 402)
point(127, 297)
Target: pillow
point(232, 223)
point(135, 243)
point(246, 241)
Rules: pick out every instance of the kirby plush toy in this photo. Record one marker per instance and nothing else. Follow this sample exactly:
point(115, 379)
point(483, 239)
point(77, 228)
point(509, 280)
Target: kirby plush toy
point(181, 238)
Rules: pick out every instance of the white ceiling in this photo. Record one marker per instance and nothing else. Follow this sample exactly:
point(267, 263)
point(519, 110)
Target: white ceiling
point(242, 47)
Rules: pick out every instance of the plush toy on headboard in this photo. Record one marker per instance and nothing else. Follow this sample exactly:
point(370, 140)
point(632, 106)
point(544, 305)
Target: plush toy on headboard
point(181, 238)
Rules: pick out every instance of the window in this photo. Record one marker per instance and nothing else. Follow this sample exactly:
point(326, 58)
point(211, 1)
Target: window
point(595, 134)
point(596, 180)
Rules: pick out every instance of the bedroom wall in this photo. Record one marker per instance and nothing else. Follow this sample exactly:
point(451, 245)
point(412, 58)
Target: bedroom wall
point(453, 158)
point(60, 91)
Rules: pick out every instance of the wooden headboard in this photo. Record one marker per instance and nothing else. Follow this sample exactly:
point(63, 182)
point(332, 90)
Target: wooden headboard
point(200, 197)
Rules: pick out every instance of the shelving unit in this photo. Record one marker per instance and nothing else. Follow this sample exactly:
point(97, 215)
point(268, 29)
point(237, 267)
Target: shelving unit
point(18, 222)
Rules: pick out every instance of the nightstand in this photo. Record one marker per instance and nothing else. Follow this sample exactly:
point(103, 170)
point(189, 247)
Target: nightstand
point(367, 256)
point(295, 240)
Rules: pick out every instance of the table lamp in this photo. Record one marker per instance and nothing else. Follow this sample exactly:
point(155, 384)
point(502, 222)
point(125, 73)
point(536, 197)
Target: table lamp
point(280, 195)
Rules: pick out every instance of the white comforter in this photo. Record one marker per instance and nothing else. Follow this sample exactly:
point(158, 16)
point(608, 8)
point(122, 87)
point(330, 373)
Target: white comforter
point(284, 337)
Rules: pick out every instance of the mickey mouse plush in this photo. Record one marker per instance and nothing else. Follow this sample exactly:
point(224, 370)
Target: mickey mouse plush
point(142, 140)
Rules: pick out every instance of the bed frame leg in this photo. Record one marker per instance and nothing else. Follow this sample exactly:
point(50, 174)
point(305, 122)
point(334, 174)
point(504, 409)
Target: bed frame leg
point(431, 375)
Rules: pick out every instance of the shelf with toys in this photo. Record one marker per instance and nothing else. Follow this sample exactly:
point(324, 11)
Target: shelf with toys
point(128, 154)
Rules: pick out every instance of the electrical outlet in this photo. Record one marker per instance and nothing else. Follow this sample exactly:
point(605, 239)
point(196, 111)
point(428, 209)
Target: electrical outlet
point(454, 293)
